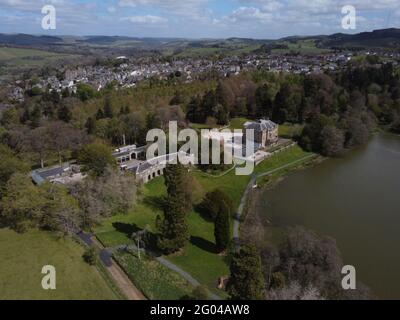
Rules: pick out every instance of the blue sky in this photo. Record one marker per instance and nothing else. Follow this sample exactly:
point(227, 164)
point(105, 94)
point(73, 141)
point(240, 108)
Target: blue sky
point(268, 19)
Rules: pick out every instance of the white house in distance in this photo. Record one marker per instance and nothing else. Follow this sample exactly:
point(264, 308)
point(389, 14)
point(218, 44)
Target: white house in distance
point(266, 134)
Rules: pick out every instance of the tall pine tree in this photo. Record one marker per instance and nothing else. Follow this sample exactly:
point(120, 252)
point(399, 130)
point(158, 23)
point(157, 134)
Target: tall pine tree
point(247, 279)
point(174, 227)
point(221, 227)
point(108, 111)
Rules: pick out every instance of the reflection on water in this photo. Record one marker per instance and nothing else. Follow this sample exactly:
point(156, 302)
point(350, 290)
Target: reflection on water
point(356, 200)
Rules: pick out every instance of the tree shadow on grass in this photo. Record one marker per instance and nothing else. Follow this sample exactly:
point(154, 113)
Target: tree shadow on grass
point(155, 202)
point(149, 238)
point(203, 244)
point(126, 228)
point(199, 208)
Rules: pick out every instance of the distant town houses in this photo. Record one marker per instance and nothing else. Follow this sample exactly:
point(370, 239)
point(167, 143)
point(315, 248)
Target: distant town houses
point(17, 94)
point(132, 71)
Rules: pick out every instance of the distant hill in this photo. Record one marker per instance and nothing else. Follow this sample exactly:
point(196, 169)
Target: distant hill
point(385, 38)
point(28, 40)
point(103, 39)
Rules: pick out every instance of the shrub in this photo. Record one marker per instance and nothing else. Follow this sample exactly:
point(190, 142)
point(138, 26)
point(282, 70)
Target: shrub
point(89, 256)
point(211, 203)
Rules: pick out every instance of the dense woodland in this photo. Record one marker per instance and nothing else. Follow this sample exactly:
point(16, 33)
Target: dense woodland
point(339, 111)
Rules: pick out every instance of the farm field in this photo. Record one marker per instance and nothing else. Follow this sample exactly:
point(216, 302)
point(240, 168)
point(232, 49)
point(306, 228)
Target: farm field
point(19, 57)
point(302, 46)
point(24, 255)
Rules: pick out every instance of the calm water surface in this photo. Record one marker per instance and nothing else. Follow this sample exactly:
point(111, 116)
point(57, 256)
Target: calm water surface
point(356, 200)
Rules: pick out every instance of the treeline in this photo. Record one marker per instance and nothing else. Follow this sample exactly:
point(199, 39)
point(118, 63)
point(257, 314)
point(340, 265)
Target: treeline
point(64, 209)
point(339, 110)
point(303, 266)
point(306, 266)
point(51, 128)
point(111, 115)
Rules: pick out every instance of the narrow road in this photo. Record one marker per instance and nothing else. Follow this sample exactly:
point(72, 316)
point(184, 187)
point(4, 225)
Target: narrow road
point(236, 226)
point(119, 276)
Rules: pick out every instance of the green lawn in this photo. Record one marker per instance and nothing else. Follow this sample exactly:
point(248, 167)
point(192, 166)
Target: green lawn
point(24, 255)
point(198, 258)
point(237, 123)
point(201, 126)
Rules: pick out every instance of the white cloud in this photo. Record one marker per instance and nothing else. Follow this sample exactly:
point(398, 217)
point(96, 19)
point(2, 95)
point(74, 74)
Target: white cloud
point(164, 4)
point(146, 19)
point(112, 9)
point(250, 13)
point(266, 5)
point(200, 18)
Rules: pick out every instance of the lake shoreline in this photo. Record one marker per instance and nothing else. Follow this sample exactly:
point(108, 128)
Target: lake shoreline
point(340, 198)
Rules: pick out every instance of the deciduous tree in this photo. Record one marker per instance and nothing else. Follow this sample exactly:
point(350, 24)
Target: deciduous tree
point(96, 158)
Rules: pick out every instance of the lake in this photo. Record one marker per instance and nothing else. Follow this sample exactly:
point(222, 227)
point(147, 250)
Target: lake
point(354, 199)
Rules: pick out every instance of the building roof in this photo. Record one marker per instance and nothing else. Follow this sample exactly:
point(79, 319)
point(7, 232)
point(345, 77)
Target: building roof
point(41, 175)
point(261, 125)
point(127, 150)
point(143, 167)
point(121, 154)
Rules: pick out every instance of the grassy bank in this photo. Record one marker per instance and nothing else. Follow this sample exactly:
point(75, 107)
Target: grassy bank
point(24, 255)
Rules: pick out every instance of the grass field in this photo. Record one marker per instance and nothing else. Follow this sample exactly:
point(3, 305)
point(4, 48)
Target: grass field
point(18, 57)
point(237, 123)
point(302, 46)
point(209, 51)
point(24, 255)
point(199, 258)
